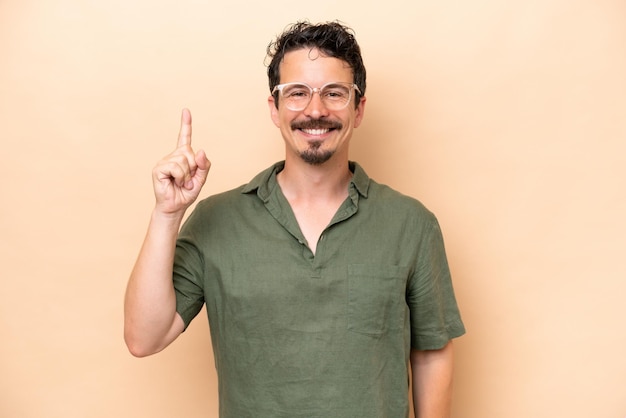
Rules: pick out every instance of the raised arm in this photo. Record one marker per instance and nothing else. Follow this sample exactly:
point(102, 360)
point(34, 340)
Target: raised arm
point(150, 319)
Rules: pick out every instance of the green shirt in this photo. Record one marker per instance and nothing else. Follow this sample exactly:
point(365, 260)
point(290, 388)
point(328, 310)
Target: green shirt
point(298, 335)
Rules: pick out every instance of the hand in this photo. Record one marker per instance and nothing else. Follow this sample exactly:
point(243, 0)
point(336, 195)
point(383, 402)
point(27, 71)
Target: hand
point(179, 177)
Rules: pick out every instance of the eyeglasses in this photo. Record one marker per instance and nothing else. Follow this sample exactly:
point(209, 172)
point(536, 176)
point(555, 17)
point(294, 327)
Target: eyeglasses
point(334, 95)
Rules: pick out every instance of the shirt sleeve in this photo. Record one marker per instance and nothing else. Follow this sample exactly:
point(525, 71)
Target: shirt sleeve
point(434, 313)
point(188, 274)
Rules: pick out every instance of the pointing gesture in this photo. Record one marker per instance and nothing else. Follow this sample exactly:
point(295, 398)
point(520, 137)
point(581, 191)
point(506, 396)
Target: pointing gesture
point(178, 178)
point(184, 136)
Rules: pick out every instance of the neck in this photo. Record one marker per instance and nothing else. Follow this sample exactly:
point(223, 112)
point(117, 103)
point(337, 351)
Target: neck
point(303, 181)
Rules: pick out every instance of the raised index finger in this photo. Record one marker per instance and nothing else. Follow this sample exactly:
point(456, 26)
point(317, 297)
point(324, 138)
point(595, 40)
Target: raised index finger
point(184, 136)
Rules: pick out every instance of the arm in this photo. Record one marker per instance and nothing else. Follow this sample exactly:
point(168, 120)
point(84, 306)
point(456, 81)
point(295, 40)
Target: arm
point(432, 382)
point(151, 322)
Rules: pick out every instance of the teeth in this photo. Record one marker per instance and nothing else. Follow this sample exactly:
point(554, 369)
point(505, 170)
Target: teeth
point(315, 131)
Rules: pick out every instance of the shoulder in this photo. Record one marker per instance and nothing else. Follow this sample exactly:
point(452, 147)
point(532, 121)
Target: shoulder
point(254, 191)
point(385, 198)
point(217, 214)
point(381, 197)
point(221, 202)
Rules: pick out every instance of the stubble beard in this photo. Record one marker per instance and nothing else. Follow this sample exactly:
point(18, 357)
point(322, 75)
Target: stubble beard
point(314, 155)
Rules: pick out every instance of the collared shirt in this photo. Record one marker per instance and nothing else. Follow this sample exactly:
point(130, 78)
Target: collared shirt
point(297, 334)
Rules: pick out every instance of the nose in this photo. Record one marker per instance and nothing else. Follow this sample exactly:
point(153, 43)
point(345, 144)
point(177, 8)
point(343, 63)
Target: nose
point(316, 108)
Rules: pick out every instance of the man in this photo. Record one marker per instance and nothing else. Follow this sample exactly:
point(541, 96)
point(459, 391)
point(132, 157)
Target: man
point(321, 285)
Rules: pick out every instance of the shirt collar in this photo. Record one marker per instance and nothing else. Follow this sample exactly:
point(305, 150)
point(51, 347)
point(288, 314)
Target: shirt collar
point(265, 182)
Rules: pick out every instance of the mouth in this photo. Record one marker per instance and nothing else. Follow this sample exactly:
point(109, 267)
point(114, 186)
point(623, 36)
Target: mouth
point(316, 127)
point(315, 132)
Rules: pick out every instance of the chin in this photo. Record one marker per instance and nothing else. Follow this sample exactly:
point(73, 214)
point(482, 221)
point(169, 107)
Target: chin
point(316, 157)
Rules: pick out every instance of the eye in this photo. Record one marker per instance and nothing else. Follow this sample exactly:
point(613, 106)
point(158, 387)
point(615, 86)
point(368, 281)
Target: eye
point(296, 92)
point(336, 92)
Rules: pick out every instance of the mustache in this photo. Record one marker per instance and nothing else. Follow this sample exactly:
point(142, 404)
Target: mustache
point(316, 124)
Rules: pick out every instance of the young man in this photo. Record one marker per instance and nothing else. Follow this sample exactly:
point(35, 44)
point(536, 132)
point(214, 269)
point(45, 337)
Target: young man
point(321, 285)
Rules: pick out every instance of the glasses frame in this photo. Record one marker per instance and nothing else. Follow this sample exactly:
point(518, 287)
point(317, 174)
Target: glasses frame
point(318, 90)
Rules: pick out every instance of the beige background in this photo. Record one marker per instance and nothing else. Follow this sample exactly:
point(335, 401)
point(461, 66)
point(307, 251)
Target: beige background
point(505, 118)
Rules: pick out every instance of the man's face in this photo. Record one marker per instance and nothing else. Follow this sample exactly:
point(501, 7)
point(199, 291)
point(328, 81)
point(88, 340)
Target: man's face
point(315, 134)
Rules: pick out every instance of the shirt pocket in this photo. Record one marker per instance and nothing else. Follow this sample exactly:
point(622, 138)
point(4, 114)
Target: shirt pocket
point(376, 298)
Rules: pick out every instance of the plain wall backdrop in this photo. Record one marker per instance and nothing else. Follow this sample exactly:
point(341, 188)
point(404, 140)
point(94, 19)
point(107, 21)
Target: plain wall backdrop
point(507, 119)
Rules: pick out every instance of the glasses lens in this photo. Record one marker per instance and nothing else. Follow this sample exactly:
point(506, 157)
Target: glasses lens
point(335, 96)
point(296, 96)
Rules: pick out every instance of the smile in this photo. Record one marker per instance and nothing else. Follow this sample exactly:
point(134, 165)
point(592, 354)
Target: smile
point(317, 127)
point(315, 132)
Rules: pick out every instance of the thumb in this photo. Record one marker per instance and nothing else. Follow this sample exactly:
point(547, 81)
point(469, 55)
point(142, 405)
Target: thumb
point(203, 165)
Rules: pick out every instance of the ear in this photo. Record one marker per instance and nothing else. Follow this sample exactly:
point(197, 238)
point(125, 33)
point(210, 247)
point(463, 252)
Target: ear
point(359, 112)
point(273, 111)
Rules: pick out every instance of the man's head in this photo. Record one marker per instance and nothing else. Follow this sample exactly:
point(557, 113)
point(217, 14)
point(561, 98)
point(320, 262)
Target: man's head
point(332, 39)
point(323, 59)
